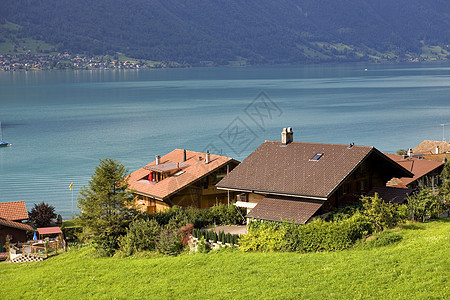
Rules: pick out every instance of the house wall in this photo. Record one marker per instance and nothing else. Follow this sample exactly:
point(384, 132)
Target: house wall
point(367, 176)
point(17, 234)
point(201, 194)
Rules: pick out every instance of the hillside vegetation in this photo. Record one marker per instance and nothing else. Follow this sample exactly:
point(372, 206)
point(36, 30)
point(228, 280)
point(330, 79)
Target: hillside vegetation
point(234, 32)
point(417, 267)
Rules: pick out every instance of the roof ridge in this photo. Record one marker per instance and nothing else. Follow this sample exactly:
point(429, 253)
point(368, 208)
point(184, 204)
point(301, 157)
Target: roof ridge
point(311, 143)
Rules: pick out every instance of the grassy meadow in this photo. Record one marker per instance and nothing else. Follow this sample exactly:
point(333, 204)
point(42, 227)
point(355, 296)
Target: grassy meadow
point(417, 267)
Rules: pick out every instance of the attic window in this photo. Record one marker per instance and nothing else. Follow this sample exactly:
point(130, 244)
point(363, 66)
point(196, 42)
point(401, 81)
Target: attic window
point(316, 157)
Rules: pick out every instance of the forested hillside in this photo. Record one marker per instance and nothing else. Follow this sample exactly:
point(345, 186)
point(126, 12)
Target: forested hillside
point(249, 32)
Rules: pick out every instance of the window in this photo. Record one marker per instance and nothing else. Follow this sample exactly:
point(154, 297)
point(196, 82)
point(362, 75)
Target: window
point(316, 157)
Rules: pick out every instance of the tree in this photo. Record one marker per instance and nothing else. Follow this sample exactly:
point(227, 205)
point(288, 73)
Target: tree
point(402, 151)
point(105, 205)
point(383, 214)
point(445, 174)
point(41, 215)
point(425, 203)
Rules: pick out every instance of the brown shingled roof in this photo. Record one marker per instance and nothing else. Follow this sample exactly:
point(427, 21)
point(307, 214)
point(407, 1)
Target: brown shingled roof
point(419, 167)
point(391, 194)
point(13, 211)
point(9, 223)
point(281, 208)
point(194, 169)
point(289, 170)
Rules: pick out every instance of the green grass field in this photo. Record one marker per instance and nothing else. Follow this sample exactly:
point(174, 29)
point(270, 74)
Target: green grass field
point(418, 267)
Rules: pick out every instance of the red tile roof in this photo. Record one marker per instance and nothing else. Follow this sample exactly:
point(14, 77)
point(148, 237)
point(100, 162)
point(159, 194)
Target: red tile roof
point(279, 208)
point(49, 230)
point(194, 169)
point(13, 211)
point(9, 223)
point(429, 147)
point(289, 170)
point(419, 167)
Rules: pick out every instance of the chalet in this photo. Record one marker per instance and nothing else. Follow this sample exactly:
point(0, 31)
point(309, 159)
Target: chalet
point(426, 172)
point(291, 180)
point(11, 216)
point(181, 177)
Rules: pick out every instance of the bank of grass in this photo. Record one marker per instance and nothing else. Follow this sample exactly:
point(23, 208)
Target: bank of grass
point(417, 267)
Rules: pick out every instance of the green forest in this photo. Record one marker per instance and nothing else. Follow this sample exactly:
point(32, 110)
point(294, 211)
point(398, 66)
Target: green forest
point(223, 32)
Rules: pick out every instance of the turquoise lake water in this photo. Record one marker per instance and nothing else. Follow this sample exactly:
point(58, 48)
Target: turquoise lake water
point(62, 122)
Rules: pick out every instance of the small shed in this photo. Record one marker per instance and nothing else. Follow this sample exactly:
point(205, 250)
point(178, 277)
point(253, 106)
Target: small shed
point(49, 230)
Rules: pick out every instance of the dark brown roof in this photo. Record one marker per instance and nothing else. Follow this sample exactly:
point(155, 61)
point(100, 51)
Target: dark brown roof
point(9, 223)
point(289, 170)
point(13, 211)
point(281, 208)
point(391, 194)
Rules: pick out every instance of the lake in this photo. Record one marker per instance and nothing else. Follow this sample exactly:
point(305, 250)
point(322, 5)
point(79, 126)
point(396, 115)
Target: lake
point(60, 123)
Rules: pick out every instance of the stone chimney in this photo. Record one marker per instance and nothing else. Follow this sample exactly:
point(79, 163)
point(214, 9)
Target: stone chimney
point(287, 136)
point(158, 159)
point(208, 158)
point(184, 155)
point(437, 150)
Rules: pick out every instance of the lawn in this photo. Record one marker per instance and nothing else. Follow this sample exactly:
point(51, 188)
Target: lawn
point(418, 267)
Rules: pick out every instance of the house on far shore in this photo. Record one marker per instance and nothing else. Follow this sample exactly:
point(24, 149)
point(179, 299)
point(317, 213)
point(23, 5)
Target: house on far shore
point(183, 178)
point(432, 147)
point(11, 216)
point(285, 180)
point(426, 172)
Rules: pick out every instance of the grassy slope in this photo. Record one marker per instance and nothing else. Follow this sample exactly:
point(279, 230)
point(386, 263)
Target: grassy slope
point(416, 268)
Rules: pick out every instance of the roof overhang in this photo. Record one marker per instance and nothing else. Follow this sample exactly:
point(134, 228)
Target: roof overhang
point(272, 193)
point(279, 208)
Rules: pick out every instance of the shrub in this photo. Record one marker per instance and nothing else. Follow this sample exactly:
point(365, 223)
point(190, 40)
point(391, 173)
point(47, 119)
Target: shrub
point(141, 235)
point(263, 236)
point(318, 235)
point(169, 242)
point(426, 203)
point(383, 214)
point(203, 246)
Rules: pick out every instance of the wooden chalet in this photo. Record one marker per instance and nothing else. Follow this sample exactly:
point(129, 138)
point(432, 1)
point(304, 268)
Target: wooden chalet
point(11, 216)
point(181, 177)
point(290, 180)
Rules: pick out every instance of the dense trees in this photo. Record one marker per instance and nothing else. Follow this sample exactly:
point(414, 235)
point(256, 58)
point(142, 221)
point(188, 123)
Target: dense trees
point(223, 31)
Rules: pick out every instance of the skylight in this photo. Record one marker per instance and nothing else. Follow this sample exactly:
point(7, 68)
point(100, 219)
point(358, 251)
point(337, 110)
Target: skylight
point(316, 157)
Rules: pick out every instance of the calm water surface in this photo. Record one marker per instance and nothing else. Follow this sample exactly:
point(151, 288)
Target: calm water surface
point(62, 122)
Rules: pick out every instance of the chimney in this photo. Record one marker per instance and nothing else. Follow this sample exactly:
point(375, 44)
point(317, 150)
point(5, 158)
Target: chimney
point(410, 152)
point(158, 159)
point(287, 136)
point(184, 155)
point(207, 157)
point(437, 149)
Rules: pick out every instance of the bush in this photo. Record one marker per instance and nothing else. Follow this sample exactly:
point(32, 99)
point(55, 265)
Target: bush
point(318, 235)
point(140, 236)
point(263, 236)
point(203, 246)
point(426, 203)
point(383, 214)
point(169, 242)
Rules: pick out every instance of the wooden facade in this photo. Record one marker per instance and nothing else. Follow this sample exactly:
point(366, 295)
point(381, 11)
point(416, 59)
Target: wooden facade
point(201, 193)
